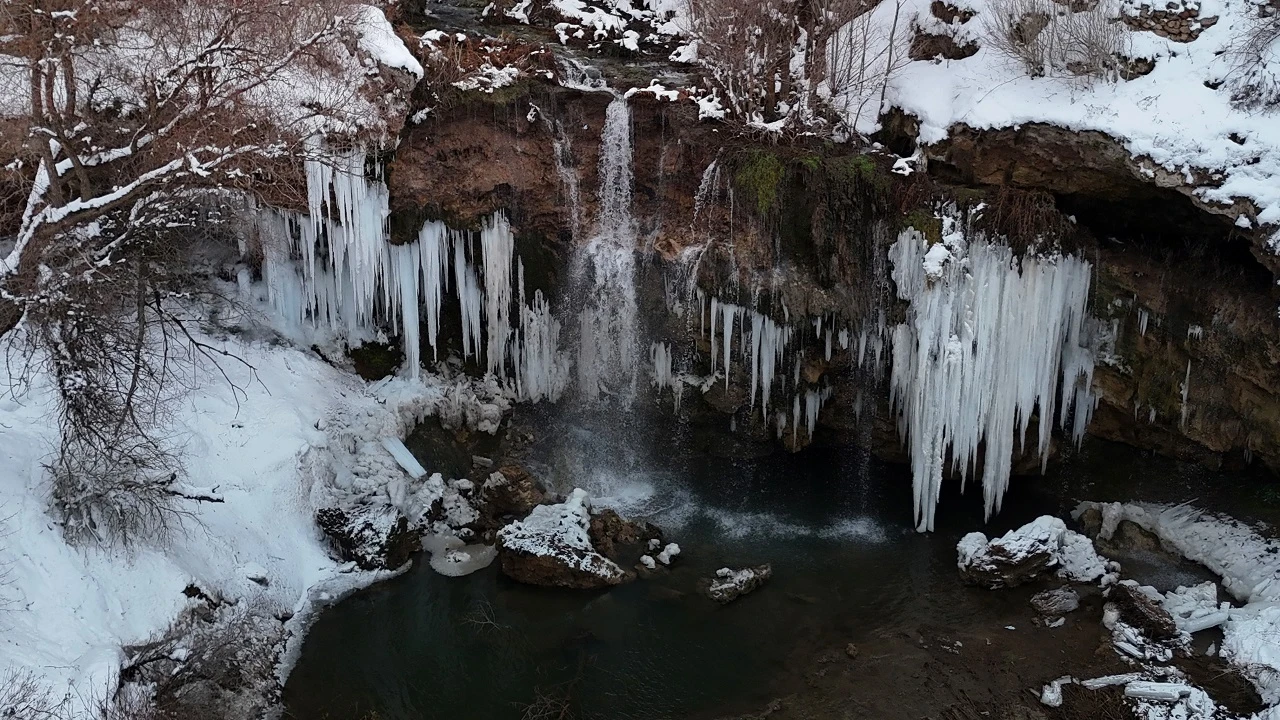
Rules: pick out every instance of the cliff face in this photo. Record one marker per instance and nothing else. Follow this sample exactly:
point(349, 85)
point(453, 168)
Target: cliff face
point(1193, 372)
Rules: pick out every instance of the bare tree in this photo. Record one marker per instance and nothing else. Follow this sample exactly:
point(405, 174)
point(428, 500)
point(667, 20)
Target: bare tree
point(135, 118)
point(753, 51)
point(23, 697)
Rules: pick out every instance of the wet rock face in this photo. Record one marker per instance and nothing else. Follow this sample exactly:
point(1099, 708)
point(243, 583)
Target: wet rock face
point(1214, 312)
point(621, 540)
point(511, 491)
point(375, 537)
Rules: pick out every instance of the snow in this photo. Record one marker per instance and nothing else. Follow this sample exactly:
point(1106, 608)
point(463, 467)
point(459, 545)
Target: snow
point(1072, 553)
point(1179, 117)
point(1249, 566)
point(668, 552)
point(984, 345)
point(81, 605)
point(379, 40)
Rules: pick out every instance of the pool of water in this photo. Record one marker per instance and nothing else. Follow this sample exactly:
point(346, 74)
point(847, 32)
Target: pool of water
point(835, 526)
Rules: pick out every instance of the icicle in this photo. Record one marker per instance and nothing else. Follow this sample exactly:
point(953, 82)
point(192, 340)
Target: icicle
point(1143, 318)
point(984, 345)
point(660, 354)
point(470, 299)
point(497, 245)
point(827, 351)
point(433, 247)
point(1186, 388)
point(844, 339)
point(542, 369)
point(730, 311)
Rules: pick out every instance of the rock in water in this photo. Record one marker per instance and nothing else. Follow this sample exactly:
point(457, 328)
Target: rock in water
point(552, 547)
point(375, 537)
point(1055, 603)
point(1017, 557)
point(619, 539)
point(729, 585)
point(510, 491)
point(1143, 613)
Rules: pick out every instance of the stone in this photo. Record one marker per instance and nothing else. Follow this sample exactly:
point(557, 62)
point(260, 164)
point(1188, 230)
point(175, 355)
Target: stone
point(1143, 613)
point(729, 584)
point(552, 548)
point(620, 539)
point(511, 490)
point(1018, 557)
point(851, 650)
point(1055, 603)
point(374, 537)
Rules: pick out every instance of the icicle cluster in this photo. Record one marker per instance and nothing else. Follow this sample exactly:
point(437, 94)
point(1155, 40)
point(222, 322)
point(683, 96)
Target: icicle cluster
point(987, 340)
point(334, 268)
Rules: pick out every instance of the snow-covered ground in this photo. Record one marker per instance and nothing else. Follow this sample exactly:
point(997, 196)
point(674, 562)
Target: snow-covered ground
point(300, 435)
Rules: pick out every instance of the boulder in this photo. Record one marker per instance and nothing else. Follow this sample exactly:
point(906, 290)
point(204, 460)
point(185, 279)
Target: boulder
point(1055, 603)
point(511, 490)
point(1017, 557)
point(552, 547)
point(1139, 610)
point(729, 584)
point(621, 540)
point(375, 537)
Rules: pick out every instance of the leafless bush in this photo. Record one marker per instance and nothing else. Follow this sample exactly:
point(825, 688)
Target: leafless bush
point(1254, 61)
point(22, 697)
point(1052, 39)
point(213, 663)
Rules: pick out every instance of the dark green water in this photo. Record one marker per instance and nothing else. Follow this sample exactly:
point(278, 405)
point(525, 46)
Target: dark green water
point(846, 564)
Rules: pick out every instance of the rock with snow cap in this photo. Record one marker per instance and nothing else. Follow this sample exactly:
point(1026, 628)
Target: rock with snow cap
point(729, 584)
point(552, 547)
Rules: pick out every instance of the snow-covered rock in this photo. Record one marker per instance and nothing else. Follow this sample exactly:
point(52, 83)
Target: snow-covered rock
point(552, 547)
point(1138, 608)
point(374, 537)
point(1054, 603)
point(1023, 554)
point(729, 584)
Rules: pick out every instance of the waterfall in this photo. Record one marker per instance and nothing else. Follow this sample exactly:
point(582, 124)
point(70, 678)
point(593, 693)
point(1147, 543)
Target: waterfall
point(608, 332)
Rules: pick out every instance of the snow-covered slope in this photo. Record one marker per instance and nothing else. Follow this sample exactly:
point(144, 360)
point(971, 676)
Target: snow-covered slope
point(1179, 115)
point(300, 435)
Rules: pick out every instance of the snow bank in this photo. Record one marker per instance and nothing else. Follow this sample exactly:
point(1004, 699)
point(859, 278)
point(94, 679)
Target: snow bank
point(72, 610)
point(1249, 566)
point(379, 40)
point(299, 436)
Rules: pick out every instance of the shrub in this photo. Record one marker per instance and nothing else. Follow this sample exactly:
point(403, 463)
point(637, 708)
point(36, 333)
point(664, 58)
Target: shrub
point(1052, 39)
